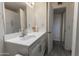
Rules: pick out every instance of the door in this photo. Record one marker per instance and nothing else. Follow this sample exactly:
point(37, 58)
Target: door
point(50, 26)
point(57, 27)
point(1, 28)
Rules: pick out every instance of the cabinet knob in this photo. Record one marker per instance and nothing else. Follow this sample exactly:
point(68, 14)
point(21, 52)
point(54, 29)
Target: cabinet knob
point(49, 32)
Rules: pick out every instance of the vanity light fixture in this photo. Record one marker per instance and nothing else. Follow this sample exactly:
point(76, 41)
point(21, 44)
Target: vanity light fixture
point(30, 4)
point(59, 3)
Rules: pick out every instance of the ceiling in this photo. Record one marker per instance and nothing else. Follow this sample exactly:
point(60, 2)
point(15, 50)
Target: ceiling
point(15, 5)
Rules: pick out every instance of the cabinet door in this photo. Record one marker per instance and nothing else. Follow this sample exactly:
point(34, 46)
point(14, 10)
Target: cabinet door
point(43, 46)
point(36, 51)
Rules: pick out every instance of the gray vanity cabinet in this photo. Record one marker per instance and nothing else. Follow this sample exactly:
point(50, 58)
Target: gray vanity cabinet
point(37, 48)
point(43, 45)
point(36, 51)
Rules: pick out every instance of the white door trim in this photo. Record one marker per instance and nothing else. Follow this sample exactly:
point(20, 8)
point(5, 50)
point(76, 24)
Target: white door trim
point(74, 28)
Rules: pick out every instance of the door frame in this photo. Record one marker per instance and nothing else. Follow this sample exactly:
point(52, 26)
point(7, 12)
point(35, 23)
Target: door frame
point(63, 14)
point(49, 33)
point(47, 24)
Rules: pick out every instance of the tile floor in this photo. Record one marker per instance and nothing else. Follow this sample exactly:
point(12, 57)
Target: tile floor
point(58, 50)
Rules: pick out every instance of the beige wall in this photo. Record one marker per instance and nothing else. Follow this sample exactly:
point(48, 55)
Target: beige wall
point(37, 15)
point(30, 18)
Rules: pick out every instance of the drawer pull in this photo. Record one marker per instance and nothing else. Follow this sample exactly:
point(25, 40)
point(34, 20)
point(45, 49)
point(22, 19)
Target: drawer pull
point(49, 32)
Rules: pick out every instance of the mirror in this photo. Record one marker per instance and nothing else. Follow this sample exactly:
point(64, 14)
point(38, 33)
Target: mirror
point(15, 17)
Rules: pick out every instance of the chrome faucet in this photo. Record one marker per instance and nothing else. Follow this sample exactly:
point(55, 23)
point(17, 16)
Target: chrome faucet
point(23, 33)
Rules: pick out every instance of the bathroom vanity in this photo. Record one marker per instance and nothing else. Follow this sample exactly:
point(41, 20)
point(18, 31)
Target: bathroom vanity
point(32, 44)
point(25, 19)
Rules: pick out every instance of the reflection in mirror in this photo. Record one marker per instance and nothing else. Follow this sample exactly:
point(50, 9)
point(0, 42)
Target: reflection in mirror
point(13, 17)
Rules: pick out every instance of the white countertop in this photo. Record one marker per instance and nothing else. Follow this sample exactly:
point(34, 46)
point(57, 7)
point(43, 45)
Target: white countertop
point(26, 42)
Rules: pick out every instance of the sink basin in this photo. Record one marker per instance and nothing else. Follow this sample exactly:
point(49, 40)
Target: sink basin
point(29, 37)
point(26, 40)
